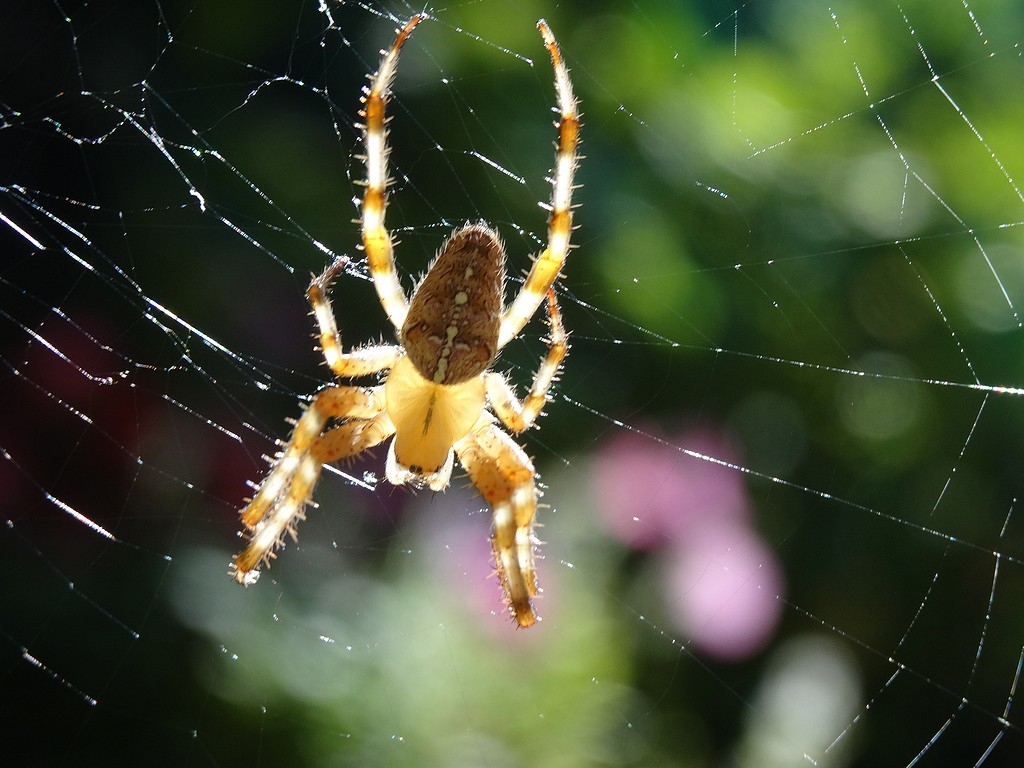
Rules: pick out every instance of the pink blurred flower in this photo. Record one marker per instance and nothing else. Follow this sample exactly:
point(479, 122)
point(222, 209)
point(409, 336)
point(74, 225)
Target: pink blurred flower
point(651, 492)
point(724, 587)
point(685, 497)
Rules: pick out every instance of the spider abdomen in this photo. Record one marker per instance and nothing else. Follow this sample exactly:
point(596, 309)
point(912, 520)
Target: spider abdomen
point(451, 331)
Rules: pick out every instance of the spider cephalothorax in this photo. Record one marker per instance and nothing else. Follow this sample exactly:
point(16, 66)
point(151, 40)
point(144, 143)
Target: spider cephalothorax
point(439, 399)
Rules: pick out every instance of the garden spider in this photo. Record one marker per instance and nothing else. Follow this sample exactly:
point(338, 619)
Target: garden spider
point(439, 398)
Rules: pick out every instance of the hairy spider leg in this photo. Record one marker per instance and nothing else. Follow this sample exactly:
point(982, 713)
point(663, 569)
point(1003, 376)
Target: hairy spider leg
point(520, 416)
point(364, 361)
point(503, 474)
point(281, 499)
point(380, 253)
point(547, 266)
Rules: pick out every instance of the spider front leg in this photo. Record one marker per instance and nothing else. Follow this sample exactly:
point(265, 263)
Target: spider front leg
point(281, 499)
point(380, 250)
point(519, 416)
point(504, 476)
point(359, 362)
point(547, 266)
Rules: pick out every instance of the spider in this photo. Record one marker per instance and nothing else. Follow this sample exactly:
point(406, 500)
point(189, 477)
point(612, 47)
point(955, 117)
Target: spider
point(439, 398)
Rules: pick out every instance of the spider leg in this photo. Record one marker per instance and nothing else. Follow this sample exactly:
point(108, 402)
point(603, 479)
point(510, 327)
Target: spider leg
point(546, 267)
point(519, 416)
point(359, 362)
point(377, 243)
point(281, 499)
point(503, 474)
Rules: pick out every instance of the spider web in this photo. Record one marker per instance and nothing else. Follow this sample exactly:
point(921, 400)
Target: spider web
point(782, 466)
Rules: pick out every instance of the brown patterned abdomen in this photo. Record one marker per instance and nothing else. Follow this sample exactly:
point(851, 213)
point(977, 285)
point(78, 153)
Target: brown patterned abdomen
point(451, 331)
